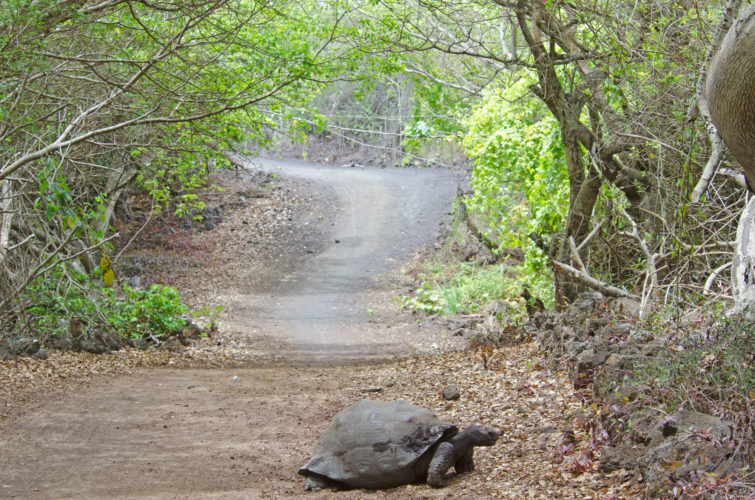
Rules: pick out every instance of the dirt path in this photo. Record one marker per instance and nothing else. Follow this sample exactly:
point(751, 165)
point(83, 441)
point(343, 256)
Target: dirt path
point(330, 328)
point(329, 305)
point(307, 271)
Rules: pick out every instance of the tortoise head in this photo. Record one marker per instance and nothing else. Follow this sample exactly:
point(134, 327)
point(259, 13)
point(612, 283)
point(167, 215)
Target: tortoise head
point(478, 435)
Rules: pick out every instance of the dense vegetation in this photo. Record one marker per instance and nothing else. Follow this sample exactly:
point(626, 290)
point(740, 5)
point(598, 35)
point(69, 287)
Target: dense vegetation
point(607, 88)
point(581, 120)
point(585, 125)
point(97, 98)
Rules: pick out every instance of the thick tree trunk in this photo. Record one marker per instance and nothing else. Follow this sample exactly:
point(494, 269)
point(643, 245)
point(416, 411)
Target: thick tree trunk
point(582, 197)
point(730, 90)
point(573, 134)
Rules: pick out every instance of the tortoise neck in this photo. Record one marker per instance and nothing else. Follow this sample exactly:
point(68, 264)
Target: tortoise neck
point(461, 442)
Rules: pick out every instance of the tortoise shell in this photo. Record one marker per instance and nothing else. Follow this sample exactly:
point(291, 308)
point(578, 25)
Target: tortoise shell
point(376, 444)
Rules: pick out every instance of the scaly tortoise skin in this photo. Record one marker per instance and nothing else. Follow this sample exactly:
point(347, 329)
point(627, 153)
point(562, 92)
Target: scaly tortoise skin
point(375, 444)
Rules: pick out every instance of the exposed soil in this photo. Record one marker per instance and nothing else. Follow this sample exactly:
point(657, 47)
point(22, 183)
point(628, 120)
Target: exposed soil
point(307, 270)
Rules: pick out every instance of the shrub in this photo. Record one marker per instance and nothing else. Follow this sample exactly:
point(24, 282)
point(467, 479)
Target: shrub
point(64, 294)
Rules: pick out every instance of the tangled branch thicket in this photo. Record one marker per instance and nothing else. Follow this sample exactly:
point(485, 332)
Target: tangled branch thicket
point(97, 97)
point(621, 79)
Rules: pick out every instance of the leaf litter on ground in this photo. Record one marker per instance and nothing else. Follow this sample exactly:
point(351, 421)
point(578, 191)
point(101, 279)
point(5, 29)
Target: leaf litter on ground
point(543, 452)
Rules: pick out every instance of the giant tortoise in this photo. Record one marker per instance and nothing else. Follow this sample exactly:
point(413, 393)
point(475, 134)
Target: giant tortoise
point(375, 444)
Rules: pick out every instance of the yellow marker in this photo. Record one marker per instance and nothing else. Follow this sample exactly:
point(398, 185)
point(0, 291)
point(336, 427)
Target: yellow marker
point(108, 275)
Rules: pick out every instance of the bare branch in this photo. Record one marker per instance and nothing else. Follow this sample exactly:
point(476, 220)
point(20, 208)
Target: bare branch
point(591, 235)
point(590, 282)
point(651, 270)
point(6, 196)
point(714, 275)
point(575, 255)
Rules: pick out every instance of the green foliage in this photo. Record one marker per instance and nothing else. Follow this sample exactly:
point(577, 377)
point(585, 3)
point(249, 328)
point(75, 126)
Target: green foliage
point(426, 299)
point(449, 289)
point(95, 98)
point(520, 176)
point(64, 294)
point(435, 116)
point(157, 311)
point(54, 199)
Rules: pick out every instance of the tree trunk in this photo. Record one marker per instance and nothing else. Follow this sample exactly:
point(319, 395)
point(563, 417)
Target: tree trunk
point(730, 90)
point(6, 217)
point(743, 266)
point(582, 197)
point(583, 189)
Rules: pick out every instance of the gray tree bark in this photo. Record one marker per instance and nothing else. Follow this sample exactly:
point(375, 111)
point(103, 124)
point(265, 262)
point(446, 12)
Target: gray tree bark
point(743, 266)
point(730, 90)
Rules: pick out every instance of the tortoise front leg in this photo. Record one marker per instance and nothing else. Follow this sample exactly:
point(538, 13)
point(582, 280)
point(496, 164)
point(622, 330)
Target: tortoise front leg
point(442, 460)
point(465, 463)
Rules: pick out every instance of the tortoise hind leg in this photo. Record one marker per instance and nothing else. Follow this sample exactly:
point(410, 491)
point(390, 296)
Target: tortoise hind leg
point(314, 483)
point(442, 460)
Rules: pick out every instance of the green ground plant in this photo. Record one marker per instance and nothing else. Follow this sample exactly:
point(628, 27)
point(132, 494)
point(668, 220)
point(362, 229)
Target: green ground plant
point(449, 286)
point(65, 294)
point(454, 287)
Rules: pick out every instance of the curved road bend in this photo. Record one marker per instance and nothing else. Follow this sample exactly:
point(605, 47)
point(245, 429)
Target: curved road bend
point(383, 216)
point(241, 433)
